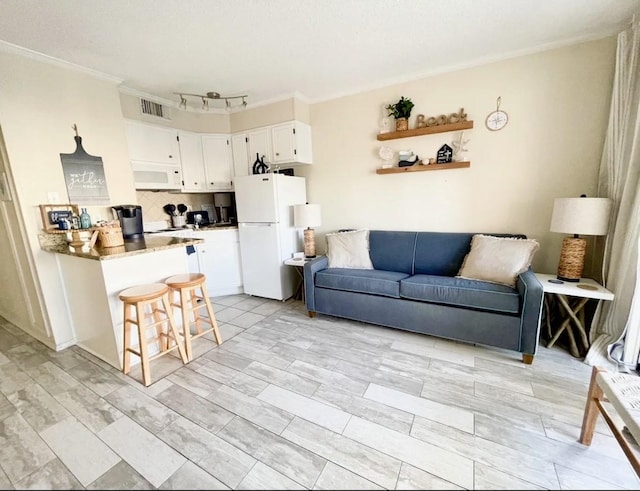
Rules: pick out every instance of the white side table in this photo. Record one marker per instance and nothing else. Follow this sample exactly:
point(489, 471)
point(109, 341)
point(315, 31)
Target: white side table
point(585, 289)
point(299, 264)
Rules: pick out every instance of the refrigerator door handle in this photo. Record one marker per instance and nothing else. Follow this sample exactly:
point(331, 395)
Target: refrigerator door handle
point(257, 224)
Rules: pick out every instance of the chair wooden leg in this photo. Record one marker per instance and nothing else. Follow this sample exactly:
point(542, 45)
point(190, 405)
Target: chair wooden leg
point(126, 354)
point(527, 359)
point(312, 314)
point(144, 351)
point(212, 316)
point(186, 323)
point(591, 409)
point(173, 329)
point(160, 331)
point(195, 310)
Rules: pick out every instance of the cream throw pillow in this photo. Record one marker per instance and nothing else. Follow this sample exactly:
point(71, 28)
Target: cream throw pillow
point(349, 250)
point(498, 259)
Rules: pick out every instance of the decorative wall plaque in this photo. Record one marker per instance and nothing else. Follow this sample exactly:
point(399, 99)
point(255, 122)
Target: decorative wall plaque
point(84, 176)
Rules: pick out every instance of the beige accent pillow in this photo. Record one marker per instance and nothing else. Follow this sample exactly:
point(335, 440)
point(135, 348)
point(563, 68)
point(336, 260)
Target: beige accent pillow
point(349, 250)
point(497, 259)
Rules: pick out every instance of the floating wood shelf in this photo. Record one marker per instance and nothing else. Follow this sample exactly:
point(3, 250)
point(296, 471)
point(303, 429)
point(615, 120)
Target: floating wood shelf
point(427, 130)
point(420, 168)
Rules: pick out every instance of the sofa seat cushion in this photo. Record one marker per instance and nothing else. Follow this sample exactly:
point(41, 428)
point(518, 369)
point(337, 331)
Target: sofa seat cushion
point(372, 281)
point(462, 292)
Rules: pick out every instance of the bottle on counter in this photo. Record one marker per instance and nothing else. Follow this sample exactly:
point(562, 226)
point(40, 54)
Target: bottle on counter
point(85, 219)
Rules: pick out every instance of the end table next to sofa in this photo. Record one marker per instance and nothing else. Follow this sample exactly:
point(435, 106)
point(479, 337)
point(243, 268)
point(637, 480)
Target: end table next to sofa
point(571, 308)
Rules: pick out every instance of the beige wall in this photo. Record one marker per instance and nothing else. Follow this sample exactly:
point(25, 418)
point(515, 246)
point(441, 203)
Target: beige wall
point(557, 102)
point(278, 112)
point(39, 103)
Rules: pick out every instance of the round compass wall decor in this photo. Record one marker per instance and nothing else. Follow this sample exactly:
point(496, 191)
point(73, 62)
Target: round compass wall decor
point(496, 120)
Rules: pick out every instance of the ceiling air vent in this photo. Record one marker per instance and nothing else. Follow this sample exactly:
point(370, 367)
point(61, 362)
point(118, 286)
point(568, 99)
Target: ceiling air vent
point(154, 109)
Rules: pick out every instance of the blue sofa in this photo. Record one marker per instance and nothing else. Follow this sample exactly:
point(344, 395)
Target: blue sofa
point(413, 287)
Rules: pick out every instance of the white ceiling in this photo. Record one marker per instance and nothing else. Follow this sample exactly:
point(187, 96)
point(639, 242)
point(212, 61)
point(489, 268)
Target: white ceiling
point(315, 49)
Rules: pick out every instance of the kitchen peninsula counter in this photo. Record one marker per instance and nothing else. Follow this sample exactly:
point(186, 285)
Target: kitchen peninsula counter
point(145, 245)
point(94, 277)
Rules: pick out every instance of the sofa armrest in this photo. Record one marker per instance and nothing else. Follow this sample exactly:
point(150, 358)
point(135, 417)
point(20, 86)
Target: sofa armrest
point(532, 295)
point(310, 269)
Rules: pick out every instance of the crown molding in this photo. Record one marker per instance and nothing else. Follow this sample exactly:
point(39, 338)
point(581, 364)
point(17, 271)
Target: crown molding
point(40, 57)
point(462, 66)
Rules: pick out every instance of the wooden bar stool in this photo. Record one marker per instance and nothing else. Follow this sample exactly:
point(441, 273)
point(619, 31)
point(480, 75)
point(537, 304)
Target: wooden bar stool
point(154, 298)
point(187, 291)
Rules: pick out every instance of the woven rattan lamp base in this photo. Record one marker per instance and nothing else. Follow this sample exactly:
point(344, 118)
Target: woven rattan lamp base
point(309, 243)
point(571, 263)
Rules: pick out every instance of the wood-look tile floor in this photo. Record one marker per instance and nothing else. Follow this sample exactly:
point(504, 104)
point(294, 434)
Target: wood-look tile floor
point(288, 402)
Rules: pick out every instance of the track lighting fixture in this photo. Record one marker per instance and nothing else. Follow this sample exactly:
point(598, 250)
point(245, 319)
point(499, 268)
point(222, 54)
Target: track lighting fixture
point(209, 96)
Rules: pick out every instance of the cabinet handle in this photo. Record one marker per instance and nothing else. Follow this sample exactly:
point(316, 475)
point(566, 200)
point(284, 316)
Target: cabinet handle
point(170, 156)
point(277, 154)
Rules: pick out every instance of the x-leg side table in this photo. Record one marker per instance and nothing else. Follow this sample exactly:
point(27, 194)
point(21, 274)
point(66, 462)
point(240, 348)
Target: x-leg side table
point(580, 292)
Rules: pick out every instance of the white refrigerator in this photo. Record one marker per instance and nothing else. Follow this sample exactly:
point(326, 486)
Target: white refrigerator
point(264, 204)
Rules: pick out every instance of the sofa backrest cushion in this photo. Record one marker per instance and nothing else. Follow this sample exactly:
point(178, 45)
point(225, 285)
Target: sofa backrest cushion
point(436, 253)
point(392, 251)
point(441, 253)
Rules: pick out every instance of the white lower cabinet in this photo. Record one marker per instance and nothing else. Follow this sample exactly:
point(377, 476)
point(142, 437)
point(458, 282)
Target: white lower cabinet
point(218, 258)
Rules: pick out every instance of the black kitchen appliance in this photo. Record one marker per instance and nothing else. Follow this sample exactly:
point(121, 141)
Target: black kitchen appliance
point(192, 218)
point(130, 218)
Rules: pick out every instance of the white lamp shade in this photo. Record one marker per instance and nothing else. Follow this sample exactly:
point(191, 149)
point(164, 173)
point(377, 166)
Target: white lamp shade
point(306, 216)
point(581, 216)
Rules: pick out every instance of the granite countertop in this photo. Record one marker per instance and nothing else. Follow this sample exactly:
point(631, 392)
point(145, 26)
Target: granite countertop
point(131, 247)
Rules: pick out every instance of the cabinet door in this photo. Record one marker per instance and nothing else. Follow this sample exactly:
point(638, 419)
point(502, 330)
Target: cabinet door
point(239, 150)
point(259, 145)
point(149, 143)
point(220, 262)
point(217, 162)
point(291, 143)
point(193, 178)
point(283, 138)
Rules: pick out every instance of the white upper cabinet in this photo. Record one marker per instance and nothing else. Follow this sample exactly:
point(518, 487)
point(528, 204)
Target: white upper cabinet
point(150, 143)
point(259, 145)
point(291, 143)
point(192, 158)
point(240, 152)
point(218, 167)
point(280, 144)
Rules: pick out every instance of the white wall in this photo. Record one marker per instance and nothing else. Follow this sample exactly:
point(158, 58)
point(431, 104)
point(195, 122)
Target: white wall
point(39, 104)
point(557, 102)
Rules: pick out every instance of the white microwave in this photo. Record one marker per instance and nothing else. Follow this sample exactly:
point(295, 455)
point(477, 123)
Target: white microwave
point(149, 175)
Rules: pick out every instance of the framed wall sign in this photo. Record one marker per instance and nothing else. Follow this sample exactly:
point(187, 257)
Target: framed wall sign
point(84, 176)
point(53, 213)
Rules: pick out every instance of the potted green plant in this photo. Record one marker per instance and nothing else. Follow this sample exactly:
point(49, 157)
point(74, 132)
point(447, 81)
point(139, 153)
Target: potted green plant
point(401, 111)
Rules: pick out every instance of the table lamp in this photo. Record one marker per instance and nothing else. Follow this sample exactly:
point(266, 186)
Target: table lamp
point(307, 216)
point(578, 216)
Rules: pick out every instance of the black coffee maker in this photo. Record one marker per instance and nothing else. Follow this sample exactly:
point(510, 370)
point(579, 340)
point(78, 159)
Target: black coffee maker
point(130, 217)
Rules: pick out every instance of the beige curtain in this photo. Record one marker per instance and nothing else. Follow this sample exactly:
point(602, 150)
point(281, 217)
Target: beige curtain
point(615, 331)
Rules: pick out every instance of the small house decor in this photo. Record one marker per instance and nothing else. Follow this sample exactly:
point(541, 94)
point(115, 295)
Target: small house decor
point(444, 155)
point(401, 111)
